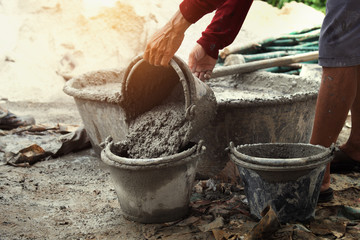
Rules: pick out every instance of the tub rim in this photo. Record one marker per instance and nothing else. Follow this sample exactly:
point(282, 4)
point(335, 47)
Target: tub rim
point(281, 100)
point(83, 94)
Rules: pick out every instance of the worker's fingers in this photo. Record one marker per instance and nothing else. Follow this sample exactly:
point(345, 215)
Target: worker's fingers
point(152, 59)
point(166, 58)
point(203, 75)
point(147, 53)
point(192, 63)
point(157, 56)
point(164, 62)
point(161, 60)
point(207, 75)
point(156, 60)
point(197, 74)
point(196, 54)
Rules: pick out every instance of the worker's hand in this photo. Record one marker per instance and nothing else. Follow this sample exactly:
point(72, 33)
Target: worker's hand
point(200, 63)
point(164, 43)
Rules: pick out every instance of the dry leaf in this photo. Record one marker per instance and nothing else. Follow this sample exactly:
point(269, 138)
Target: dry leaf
point(217, 223)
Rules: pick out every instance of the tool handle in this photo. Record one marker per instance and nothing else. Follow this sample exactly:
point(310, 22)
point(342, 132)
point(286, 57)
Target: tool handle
point(267, 63)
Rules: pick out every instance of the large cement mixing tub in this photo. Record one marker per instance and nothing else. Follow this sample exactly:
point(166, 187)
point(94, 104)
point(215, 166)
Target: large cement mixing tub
point(258, 107)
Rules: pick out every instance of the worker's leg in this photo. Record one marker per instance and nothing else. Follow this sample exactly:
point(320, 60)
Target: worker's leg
point(336, 95)
point(352, 146)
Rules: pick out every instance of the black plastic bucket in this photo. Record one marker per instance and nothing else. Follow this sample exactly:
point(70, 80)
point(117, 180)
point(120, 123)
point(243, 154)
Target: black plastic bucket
point(285, 176)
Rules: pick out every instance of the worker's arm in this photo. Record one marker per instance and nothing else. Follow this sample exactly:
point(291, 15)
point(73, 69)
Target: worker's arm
point(162, 46)
point(221, 32)
point(224, 26)
point(223, 29)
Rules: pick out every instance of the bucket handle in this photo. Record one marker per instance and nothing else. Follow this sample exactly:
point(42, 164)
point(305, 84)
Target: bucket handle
point(106, 142)
point(188, 108)
point(127, 71)
point(191, 109)
point(200, 147)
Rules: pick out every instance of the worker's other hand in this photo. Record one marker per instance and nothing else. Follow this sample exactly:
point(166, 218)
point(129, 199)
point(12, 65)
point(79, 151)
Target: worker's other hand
point(200, 63)
point(162, 46)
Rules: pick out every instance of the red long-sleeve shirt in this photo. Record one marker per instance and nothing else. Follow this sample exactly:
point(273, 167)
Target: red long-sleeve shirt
point(225, 25)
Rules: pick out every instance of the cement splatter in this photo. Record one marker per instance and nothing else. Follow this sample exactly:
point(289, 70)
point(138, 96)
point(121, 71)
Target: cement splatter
point(159, 132)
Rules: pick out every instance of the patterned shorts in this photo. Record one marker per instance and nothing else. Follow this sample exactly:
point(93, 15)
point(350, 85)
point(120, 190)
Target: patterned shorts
point(339, 43)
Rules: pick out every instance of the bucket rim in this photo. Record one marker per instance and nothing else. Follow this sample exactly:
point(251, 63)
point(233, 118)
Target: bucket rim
point(108, 157)
point(280, 164)
point(175, 63)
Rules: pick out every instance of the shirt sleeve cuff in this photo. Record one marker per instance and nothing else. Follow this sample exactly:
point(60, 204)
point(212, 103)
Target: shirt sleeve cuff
point(210, 47)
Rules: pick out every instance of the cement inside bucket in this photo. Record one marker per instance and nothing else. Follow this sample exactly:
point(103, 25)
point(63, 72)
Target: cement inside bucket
point(260, 87)
point(162, 131)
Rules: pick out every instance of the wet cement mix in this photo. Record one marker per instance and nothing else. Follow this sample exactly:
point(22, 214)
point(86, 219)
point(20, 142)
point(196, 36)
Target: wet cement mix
point(159, 132)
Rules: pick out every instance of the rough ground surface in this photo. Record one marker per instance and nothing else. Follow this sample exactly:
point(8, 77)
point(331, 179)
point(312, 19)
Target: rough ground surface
point(63, 198)
point(72, 197)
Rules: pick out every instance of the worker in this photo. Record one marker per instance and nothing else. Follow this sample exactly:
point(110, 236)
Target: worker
point(9, 120)
point(339, 56)
point(225, 25)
